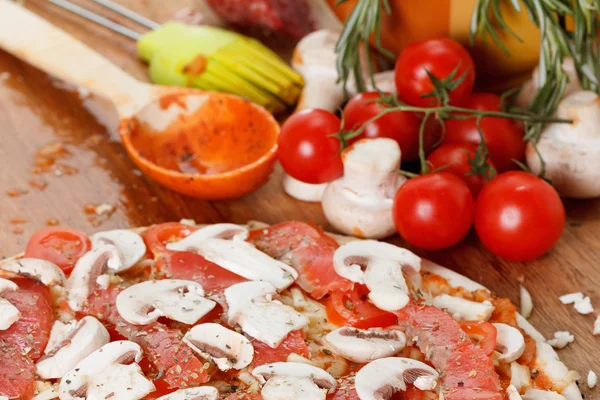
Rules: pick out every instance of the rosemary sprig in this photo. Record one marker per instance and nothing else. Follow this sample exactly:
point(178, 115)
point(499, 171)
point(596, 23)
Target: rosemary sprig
point(586, 43)
point(443, 112)
point(363, 22)
point(557, 43)
point(479, 163)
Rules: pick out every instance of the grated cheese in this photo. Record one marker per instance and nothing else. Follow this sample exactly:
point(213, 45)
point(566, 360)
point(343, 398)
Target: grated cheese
point(584, 306)
point(561, 339)
point(592, 379)
point(571, 298)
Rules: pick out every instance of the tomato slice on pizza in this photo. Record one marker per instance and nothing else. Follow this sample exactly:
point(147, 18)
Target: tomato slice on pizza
point(352, 308)
point(294, 343)
point(222, 311)
point(59, 245)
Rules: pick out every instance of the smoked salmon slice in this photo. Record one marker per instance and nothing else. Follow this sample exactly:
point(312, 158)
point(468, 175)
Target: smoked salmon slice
point(466, 372)
point(24, 342)
point(170, 360)
point(308, 250)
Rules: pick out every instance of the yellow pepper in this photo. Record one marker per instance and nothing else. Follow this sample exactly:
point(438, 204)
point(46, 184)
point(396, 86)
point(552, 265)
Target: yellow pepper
point(422, 19)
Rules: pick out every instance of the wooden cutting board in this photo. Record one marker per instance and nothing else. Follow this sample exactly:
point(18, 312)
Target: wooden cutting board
point(58, 164)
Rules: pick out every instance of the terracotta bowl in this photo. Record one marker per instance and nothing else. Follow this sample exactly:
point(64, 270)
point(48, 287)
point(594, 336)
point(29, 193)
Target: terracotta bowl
point(206, 145)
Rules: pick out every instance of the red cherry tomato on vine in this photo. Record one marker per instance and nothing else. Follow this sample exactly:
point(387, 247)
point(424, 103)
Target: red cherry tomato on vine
point(307, 151)
point(433, 211)
point(519, 216)
point(504, 137)
point(440, 57)
point(402, 126)
point(455, 158)
point(59, 245)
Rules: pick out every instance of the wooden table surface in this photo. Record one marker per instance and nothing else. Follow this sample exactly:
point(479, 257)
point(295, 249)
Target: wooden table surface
point(41, 123)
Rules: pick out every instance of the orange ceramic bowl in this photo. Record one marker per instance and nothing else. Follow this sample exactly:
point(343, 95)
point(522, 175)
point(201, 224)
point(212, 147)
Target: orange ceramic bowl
point(203, 144)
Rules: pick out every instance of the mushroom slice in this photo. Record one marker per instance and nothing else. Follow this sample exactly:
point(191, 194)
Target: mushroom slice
point(236, 255)
point(380, 379)
point(380, 266)
point(251, 306)
point(218, 231)
point(224, 347)
point(198, 393)
point(365, 345)
point(109, 372)
point(89, 271)
point(59, 331)
point(292, 381)
point(557, 372)
point(536, 394)
point(176, 299)
point(130, 244)
point(87, 336)
point(9, 314)
point(462, 309)
point(520, 376)
point(510, 342)
point(292, 388)
point(42, 271)
point(45, 391)
point(512, 393)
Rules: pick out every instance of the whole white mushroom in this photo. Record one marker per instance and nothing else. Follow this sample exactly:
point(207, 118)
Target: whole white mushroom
point(571, 152)
point(315, 59)
point(360, 202)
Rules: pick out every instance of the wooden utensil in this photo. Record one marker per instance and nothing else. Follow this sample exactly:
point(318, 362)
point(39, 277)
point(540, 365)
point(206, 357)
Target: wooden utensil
point(204, 144)
point(203, 57)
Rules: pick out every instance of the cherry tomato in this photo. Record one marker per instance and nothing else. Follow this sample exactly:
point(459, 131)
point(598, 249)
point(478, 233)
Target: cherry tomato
point(519, 216)
point(402, 126)
point(411, 393)
point(294, 343)
point(59, 245)
point(157, 236)
point(307, 151)
point(440, 57)
point(456, 160)
point(482, 333)
point(433, 211)
point(352, 308)
point(504, 137)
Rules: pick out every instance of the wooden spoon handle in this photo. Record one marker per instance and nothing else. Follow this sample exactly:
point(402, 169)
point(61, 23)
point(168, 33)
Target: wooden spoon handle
point(34, 40)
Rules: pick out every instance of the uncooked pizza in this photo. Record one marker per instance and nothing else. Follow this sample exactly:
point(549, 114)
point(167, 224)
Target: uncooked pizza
point(285, 312)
